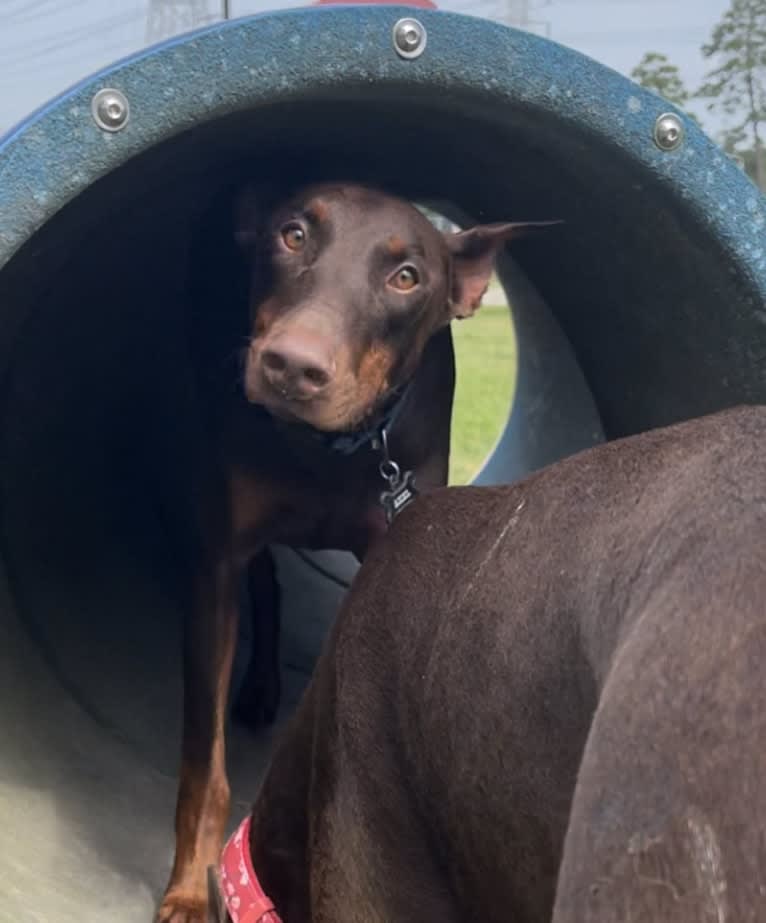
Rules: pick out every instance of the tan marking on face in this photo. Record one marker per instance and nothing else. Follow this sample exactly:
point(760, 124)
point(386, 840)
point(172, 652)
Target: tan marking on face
point(317, 211)
point(372, 378)
point(396, 247)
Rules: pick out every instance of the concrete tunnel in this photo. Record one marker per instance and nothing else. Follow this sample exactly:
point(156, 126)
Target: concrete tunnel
point(648, 308)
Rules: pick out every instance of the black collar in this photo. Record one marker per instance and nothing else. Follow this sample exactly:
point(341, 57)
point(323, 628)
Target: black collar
point(350, 441)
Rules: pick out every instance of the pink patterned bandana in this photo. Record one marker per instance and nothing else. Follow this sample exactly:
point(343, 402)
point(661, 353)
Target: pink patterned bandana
point(242, 892)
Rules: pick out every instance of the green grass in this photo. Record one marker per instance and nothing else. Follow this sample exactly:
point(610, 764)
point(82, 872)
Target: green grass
point(485, 354)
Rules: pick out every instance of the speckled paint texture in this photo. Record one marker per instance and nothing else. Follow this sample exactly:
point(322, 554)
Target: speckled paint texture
point(59, 150)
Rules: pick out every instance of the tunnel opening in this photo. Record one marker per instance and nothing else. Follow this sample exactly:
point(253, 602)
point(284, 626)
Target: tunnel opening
point(635, 314)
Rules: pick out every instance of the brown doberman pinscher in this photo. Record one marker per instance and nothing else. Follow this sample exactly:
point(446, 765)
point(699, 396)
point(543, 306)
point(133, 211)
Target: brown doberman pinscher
point(539, 702)
point(346, 396)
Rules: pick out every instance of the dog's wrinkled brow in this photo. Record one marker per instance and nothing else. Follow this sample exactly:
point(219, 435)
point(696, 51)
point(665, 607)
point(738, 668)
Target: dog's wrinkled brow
point(398, 249)
point(316, 211)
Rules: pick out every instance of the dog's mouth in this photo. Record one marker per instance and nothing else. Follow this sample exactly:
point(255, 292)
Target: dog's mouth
point(284, 396)
point(327, 416)
point(330, 418)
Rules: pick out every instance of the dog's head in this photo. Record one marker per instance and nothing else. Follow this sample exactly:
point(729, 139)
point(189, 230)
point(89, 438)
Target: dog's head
point(348, 284)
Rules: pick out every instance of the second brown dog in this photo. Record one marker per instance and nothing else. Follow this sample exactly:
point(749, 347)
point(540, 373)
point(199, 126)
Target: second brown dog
point(540, 702)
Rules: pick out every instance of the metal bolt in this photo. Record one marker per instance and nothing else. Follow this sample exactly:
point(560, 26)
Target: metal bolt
point(110, 109)
point(409, 38)
point(668, 132)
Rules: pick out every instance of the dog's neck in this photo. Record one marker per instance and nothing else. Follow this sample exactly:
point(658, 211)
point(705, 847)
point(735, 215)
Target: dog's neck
point(349, 442)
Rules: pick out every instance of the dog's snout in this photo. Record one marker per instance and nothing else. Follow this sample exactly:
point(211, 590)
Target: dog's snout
point(298, 368)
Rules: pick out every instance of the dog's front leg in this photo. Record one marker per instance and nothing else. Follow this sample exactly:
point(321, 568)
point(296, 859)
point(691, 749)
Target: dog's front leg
point(258, 700)
point(203, 796)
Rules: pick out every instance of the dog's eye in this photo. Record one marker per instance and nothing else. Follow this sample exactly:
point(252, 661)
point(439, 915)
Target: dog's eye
point(294, 237)
point(404, 279)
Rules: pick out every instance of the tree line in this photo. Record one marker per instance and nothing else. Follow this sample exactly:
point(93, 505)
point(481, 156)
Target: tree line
point(734, 87)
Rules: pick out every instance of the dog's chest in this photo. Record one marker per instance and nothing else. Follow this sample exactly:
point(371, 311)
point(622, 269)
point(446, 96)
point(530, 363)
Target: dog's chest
point(297, 491)
point(304, 513)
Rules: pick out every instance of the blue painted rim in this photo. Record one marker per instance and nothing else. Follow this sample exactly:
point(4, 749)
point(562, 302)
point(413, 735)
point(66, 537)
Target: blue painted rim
point(298, 54)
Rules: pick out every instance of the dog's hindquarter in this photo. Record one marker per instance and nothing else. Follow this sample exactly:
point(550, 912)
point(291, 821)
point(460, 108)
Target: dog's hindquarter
point(670, 805)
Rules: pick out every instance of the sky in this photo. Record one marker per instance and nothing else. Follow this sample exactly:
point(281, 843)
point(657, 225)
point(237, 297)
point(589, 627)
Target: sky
point(46, 45)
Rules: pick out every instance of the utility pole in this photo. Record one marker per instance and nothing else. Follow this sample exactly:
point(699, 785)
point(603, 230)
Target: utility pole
point(517, 13)
point(171, 17)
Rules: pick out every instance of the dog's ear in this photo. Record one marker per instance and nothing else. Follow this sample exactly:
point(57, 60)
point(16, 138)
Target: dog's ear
point(247, 213)
point(473, 259)
point(216, 909)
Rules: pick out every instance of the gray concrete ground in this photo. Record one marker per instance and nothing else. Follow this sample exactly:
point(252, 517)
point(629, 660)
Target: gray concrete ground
point(90, 737)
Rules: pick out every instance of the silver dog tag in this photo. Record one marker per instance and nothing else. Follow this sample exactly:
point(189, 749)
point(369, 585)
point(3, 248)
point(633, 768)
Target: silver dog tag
point(401, 487)
point(401, 492)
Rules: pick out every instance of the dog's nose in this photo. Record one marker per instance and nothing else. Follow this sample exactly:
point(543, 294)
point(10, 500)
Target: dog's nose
point(298, 369)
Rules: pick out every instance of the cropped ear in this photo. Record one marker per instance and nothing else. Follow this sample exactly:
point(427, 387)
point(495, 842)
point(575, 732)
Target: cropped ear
point(473, 259)
point(247, 211)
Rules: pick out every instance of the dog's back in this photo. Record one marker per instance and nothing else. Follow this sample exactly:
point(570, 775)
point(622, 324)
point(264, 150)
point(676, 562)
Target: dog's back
point(452, 707)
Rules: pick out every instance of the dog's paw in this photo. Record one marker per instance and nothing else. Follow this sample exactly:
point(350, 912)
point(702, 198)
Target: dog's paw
point(178, 908)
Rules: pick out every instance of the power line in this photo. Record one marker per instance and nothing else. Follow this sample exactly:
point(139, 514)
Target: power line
point(171, 17)
point(684, 36)
point(69, 38)
point(16, 20)
point(516, 13)
point(67, 63)
point(23, 7)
